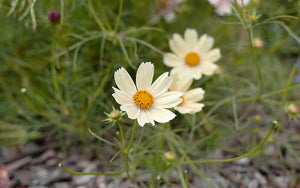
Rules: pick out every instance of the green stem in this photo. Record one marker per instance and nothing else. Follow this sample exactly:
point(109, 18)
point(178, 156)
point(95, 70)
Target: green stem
point(103, 15)
point(235, 158)
point(186, 178)
point(96, 17)
point(89, 173)
point(121, 136)
point(119, 16)
point(182, 180)
point(284, 95)
point(250, 38)
point(132, 135)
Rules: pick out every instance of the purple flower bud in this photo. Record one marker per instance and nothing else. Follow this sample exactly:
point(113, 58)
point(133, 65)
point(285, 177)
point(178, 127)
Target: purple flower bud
point(54, 16)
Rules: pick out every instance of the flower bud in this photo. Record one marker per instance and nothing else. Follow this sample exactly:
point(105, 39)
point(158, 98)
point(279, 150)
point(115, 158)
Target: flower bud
point(292, 109)
point(54, 16)
point(218, 71)
point(170, 155)
point(258, 43)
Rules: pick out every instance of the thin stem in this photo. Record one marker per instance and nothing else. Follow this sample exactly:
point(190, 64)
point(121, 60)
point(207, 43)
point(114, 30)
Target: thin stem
point(132, 135)
point(95, 16)
point(89, 173)
point(121, 136)
point(250, 38)
point(186, 178)
point(103, 15)
point(119, 16)
point(284, 95)
point(274, 124)
point(182, 180)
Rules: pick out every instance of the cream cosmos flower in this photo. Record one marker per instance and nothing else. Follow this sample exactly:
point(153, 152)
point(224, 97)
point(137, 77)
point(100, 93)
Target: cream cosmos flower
point(144, 101)
point(192, 56)
point(190, 98)
point(223, 7)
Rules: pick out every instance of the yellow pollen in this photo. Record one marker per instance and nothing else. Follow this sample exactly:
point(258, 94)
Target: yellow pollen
point(143, 99)
point(192, 59)
point(182, 101)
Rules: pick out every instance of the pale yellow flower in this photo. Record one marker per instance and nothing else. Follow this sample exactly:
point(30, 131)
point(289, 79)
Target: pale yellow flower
point(144, 101)
point(191, 55)
point(190, 98)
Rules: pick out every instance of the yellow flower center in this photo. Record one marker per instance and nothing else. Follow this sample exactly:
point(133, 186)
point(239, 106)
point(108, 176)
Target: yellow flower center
point(182, 100)
point(192, 59)
point(143, 99)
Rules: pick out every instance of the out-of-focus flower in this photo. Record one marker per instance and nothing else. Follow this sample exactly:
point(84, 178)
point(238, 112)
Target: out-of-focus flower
point(54, 16)
point(144, 101)
point(190, 98)
point(192, 56)
point(258, 43)
point(23, 90)
point(167, 11)
point(223, 7)
point(170, 155)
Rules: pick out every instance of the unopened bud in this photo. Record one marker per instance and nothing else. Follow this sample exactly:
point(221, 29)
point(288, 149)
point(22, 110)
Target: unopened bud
point(292, 109)
point(170, 155)
point(218, 71)
point(54, 16)
point(258, 43)
point(257, 118)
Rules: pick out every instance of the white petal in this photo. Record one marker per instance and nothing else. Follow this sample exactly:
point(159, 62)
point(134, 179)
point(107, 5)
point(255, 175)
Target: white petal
point(177, 45)
point(195, 107)
point(172, 60)
point(213, 55)
point(122, 97)
point(161, 115)
point(144, 75)
point(161, 85)
point(224, 9)
point(183, 110)
point(194, 95)
point(145, 117)
point(208, 68)
point(181, 82)
point(132, 110)
point(204, 44)
point(190, 37)
point(190, 108)
point(195, 73)
point(124, 81)
point(168, 100)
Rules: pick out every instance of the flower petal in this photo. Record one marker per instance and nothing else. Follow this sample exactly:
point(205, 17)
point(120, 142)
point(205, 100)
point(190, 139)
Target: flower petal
point(190, 108)
point(181, 83)
point(132, 110)
point(194, 95)
point(161, 85)
point(177, 45)
point(122, 97)
point(204, 44)
point(172, 60)
point(190, 37)
point(124, 81)
point(213, 55)
point(208, 68)
point(161, 115)
point(144, 75)
point(145, 117)
point(184, 70)
point(168, 100)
